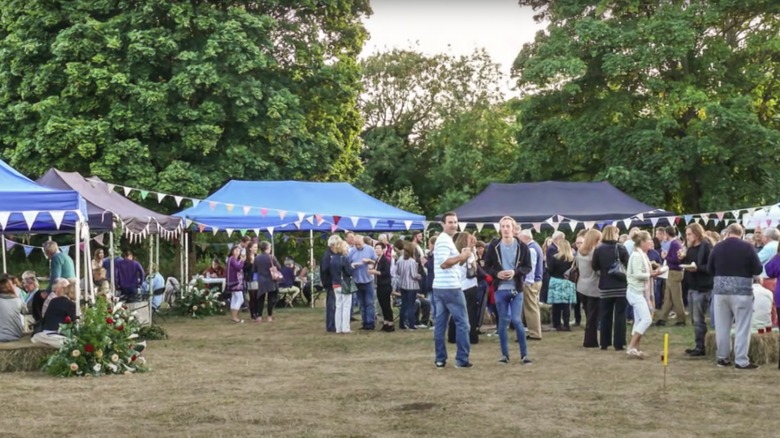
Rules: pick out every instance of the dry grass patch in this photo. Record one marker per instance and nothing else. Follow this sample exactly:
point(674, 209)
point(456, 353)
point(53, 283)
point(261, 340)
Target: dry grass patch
point(290, 378)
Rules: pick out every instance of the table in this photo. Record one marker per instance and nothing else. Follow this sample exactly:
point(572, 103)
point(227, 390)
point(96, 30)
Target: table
point(209, 282)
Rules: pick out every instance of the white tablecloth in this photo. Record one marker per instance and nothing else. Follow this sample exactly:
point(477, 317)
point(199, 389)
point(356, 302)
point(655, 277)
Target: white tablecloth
point(209, 282)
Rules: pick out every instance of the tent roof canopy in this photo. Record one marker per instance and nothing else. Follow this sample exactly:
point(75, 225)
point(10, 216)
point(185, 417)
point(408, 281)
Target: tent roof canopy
point(538, 201)
point(103, 205)
point(27, 206)
point(297, 205)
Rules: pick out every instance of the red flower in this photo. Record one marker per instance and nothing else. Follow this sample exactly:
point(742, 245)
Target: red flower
point(120, 328)
point(67, 320)
point(110, 320)
point(89, 348)
point(132, 359)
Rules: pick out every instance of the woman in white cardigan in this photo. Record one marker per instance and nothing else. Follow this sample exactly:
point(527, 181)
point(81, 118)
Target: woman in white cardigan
point(640, 289)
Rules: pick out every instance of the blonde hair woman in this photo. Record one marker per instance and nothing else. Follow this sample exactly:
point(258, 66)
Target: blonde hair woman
point(610, 259)
point(639, 275)
point(562, 293)
point(588, 286)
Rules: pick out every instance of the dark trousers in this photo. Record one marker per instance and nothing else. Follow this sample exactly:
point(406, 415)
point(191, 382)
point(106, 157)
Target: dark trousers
point(425, 311)
point(254, 298)
point(612, 313)
point(330, 310)
point(408, 316)
point(578, 310)
point(272, 297)
point(558, 310)
point(591, 305)
point(383, 292)
point(660, 285)
point(483, 301)
point(472, 309)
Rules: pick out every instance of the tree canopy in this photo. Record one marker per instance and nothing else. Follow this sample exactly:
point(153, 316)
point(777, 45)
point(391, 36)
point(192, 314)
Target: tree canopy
point(674, 102)
point(182, 96)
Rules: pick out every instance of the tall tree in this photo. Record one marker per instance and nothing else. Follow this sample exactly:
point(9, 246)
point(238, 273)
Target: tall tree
point(422, 114)
point(674, 101)
point(182, 96)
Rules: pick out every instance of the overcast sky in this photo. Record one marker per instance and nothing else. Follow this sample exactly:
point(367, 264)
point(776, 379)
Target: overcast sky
point(455, 27)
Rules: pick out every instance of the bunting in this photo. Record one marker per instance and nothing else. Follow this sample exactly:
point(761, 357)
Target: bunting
point(479, 226)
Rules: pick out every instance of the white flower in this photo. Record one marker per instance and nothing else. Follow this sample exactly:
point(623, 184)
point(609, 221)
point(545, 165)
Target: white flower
point(75, 353)
point(97, 367)
point(117, 306)
point(99, 354)
point(131, 318)
point(141, 360)
point(112, 367)
point(133, 336)
point(74, 367)
point(194, 308)
point(114, 358)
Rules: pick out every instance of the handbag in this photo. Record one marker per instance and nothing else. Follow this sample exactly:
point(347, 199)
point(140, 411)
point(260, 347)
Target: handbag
point(275, 274)
point(572, 274)
point(617, 269)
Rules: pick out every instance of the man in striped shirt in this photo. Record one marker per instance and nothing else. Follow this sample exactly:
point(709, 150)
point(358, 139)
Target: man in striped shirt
point(448, 298)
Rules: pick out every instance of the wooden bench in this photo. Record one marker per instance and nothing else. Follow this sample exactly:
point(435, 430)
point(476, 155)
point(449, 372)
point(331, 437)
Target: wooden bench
point(23, 355)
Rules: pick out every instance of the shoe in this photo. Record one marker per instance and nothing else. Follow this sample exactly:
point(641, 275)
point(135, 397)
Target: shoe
point(270, 319)
point(525, 361)
point(750, 366)
point(388, 328)
point(565, 329)
point(420, 326)
point(722, 363)
point(465, 365)
point(633, 352)
point(604, 347)
point(660, 323)
point(697, 353)
point(690, 350)
point(533, 338)
point(504, 360)
point(441, 365)
point(620, 348)
point(576, 324)
point(238, 321)
point(679, 324)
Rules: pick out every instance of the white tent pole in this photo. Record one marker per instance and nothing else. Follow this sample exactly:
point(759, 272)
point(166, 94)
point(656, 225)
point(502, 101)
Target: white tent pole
point(186, 258)
point(181, 263)
point(311, 266)
point(111, 262)
point(5, 266)
point(78, 268)
point(150, 275)
point(90, 290)
point(157, 252)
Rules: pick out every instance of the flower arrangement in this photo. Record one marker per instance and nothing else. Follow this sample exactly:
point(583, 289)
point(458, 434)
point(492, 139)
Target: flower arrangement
point(103, 342)
point(198, 302)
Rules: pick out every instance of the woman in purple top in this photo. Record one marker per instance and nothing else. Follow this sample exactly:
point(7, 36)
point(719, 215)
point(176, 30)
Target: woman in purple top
point(773, 271)
point(267, 286)
point(235, 282)
point(673, 299)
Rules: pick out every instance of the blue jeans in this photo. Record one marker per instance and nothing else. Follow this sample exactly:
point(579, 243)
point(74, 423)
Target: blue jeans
point(366, 297)
point(700, 306)
point(451, 302)
point(408, 317)
point(330, 310)
point(506, 303)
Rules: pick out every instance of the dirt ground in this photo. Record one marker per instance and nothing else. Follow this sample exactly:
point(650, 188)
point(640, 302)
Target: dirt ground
point(290, 378)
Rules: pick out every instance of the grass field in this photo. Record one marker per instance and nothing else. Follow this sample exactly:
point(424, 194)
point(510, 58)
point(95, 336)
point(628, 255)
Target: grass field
point(290, 378)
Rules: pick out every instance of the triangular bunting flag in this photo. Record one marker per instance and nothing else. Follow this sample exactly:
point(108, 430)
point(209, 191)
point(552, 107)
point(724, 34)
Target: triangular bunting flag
point(537, 226)
point(229, 231)
point(736, 213)
point(687, 218)
point(310, 220)
point(720, 215)
point(144, 194)
point(497, 226)
point(672, 220)
point(640, 216)
point(65, 248)
point(110, 187)
point(462, 226)
point(230, 246)
point(187, 223)
point(301, 215)
point(263, 212)
point(373, 223)
point(479, 226)
point(212, 205)
point(408, 224)
point(590, 224)
point(390, 224)
point(333, 228)
point(297, 224)
point(4, 215)
point(555, 225)
point(336, 220)
point(160, 197)
point(549, 221)
point(247, 210)
point(257, 231)
point(705, 217)
point(127, 191)
point(57, 216)
point(29, 218)
point(653, 221)
point(243, 233)
point(99, 239)
point(201, 227)
point(751, 210)
point(354, 220)
point(28, 250)
point(9, 244)
point(214, 230)
point(573, 225)
point(178, 200)
point(270, 230)
point(230, 207)
point(282, 214)
point(319, 219)
point(627, 223)
point(195, 202)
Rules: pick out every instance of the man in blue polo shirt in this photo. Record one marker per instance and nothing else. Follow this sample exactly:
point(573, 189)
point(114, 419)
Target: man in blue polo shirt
point(362, 258)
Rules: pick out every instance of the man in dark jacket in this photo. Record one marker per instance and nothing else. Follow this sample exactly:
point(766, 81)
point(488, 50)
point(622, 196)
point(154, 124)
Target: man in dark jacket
point(508, 260)
point(699, 281)
point(327, 282)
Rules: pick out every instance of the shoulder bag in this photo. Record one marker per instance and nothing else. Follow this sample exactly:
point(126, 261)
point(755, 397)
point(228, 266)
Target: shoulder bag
point(617, 269)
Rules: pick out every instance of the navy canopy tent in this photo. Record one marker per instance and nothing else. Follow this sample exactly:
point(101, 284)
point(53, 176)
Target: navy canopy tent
point(295, 205)
point(29, 207)
point(104, 205)
point(536, 202)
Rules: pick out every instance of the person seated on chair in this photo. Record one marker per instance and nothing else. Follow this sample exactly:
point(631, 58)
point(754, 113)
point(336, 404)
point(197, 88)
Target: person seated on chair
point(60, 310)
point(314, 275)
point(101, 281)
point(129, 276)
point(11, 308)
point(287, 286)
point(157, 288)
point(215, 270)
point(423, 311)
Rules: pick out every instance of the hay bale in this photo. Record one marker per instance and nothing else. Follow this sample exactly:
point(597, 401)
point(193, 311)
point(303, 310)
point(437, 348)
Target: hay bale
point(764, 348)
point(23, 355)
point(546, 312)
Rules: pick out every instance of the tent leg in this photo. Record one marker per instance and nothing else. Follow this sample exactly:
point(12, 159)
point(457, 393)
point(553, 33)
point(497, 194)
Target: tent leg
point(149, 276)
point(111, 263)
point(78, 268)
point(181, 264)
point(186, 258)
point(5, 266)
point(89, 278)
point(311, 267)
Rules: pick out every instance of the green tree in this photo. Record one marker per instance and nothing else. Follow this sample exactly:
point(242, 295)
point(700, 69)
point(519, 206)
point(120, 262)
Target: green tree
point(415, 107)
point(673, 101)
point(182, 96)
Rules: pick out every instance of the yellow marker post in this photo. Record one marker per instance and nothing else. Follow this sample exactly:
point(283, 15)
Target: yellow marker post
point(666, 356)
